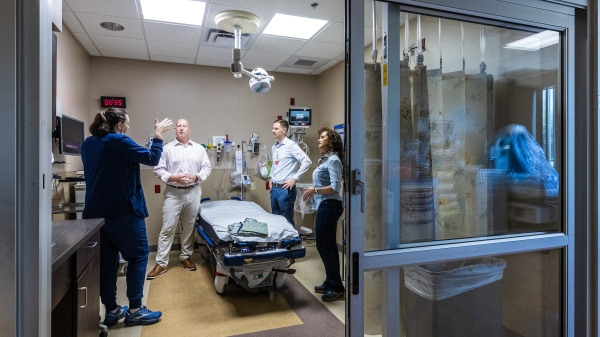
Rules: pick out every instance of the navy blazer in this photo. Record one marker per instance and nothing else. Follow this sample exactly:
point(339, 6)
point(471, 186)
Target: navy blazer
point(112, 175)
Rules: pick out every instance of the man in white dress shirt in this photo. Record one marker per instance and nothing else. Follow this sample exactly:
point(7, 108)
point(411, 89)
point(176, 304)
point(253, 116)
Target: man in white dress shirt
point(183, 166)
point(286, 156)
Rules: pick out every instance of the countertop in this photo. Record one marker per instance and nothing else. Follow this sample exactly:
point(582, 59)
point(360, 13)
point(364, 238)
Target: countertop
point(69, 235)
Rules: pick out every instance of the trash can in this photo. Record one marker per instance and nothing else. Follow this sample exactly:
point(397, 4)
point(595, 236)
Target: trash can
point(459, 298)
point(80, 195)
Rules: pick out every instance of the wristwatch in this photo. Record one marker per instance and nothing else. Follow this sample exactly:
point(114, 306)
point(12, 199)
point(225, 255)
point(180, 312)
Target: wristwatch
point(315, 190)
point(196, 179)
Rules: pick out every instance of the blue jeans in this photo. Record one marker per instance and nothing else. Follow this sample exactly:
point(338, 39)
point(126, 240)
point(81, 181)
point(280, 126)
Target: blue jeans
point(126, 234)
point(282, 202)
point(328, 214)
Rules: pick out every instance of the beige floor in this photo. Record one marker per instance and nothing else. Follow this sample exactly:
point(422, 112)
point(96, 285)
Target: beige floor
point(309, 272)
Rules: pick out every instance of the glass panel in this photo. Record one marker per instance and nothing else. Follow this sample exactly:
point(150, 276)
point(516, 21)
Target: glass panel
point(479, 129)
point(504, 296)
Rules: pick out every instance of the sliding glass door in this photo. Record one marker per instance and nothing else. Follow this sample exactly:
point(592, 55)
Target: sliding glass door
point(460, 209)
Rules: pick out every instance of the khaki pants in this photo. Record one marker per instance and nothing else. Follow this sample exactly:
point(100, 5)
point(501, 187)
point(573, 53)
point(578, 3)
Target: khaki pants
point(184, 204)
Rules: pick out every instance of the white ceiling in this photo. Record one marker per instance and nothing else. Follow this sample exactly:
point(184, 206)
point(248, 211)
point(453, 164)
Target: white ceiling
point(165, 42)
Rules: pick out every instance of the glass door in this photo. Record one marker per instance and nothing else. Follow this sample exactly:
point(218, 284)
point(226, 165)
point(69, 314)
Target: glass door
point(457, 210)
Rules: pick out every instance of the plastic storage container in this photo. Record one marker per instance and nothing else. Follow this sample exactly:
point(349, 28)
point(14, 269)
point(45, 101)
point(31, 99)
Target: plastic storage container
point(460, 298)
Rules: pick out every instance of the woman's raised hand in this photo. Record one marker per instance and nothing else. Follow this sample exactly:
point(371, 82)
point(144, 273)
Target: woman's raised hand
point(162, 127)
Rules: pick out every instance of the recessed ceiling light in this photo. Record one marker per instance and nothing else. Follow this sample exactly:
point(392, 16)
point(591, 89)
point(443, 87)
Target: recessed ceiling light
point(293, 26)
point(187, 12)
point(112, 26)
point(535, 42)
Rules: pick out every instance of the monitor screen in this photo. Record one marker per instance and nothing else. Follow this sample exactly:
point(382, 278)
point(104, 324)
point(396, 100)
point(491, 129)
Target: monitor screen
point(299, 116)
point(71, 135)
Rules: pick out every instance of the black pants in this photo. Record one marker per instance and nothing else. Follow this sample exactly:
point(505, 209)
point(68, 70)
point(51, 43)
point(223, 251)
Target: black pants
point(328, 215)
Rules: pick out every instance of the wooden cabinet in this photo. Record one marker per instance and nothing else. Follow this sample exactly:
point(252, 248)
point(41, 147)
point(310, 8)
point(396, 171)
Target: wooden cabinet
point(76, 291)
point(87, 300)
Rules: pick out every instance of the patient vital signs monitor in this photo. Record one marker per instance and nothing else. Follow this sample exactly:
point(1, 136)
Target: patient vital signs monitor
point(299, 117)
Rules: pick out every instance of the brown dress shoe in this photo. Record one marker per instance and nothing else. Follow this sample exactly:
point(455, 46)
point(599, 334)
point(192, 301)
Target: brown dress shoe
point(156, 272)
point(188, 264)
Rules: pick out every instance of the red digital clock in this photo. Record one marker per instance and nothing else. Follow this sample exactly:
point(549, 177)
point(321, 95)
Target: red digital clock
point(112, 102)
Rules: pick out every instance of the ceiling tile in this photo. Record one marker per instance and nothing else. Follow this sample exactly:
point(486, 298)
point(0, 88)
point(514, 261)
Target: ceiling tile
point(214, 53)
point(251, 66)
point(294, 70)
point(275, 44)
point(265, 5)
point(341, 18)
point(93, 51)
point(119, 44)
point(264, 59)
point(117, 8)
point(213, 63)
point(296, 61)
point(72, 22)
point(326, 10)
point(91, 23)
point(322, 50)
point(328, 65)
point(172, 49)
point(215, 9)
point(110, 53)
point(158, 31)
point(171, 59)
point(84, 40)
point(332, 33)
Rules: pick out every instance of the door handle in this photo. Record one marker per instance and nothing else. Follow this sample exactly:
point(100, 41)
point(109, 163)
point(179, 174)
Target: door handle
point(92, 245)
point(359, 187)
point(85, 305)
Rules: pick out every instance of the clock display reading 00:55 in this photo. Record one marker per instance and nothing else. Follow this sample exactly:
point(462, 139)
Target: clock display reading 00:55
point(112, 102)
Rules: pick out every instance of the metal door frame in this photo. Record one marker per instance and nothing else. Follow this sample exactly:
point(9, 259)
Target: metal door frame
point(544, 15)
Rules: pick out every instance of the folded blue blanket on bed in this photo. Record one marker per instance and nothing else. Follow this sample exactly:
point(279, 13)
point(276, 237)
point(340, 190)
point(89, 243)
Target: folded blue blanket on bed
point(250, 227)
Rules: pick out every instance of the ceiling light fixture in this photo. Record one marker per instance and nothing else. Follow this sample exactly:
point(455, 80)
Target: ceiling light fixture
point(293, 26)
point(112, 26)
point(535, 42)
point(185, 12)
point(240, 22)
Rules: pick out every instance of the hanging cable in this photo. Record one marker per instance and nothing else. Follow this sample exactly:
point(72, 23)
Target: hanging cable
point(406, 44)
point(482, 65)
point(374, 52)
point(462, 47)
point(419, 47)
point(440, 41)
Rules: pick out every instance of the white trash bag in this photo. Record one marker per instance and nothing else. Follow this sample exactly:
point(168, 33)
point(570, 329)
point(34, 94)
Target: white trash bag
point(263, 164)
point(443, 280)
point(302, 206)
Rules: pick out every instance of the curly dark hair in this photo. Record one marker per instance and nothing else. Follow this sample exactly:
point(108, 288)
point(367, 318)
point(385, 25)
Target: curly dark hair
point(335, 143)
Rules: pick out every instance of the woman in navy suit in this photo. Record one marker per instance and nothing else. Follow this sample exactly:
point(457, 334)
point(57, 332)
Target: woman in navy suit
point(111, 162)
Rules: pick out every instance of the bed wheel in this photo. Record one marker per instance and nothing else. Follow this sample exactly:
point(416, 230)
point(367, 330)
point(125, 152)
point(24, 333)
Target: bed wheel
point(221, 284)
point(279, 280)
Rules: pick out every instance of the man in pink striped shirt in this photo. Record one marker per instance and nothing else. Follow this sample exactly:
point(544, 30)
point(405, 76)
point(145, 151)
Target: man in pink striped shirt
point(183, 166)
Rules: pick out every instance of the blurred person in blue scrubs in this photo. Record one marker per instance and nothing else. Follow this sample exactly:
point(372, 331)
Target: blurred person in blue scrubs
point(327, 183)
point(111, 162)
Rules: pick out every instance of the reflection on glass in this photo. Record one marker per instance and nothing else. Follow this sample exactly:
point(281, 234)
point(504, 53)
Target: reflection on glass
point(504, 296)
point(480, 148)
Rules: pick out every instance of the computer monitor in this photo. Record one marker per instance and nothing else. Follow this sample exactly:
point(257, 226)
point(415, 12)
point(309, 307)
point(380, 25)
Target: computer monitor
point(299, 117)
point(71, 136)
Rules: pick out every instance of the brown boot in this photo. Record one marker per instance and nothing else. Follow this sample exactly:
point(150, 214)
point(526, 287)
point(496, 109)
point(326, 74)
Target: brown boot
point(156, 272)
point(188, 264)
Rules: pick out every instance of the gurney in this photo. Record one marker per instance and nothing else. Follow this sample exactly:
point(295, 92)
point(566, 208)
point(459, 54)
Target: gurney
point(253, 262)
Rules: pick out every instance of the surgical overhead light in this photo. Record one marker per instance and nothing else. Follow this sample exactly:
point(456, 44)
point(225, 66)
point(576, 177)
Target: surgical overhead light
point(240, 22)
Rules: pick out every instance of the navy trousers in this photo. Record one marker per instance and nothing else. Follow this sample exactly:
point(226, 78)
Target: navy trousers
point(127, 235)
point(328, 214)
point(282, 202)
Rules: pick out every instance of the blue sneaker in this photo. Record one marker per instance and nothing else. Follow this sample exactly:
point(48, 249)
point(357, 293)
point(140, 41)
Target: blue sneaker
point(111, 319)
point(143, 316)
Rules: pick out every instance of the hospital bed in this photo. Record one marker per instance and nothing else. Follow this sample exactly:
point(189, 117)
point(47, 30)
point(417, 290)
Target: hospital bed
point(253, 262)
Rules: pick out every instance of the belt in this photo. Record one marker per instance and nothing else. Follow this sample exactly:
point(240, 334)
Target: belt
point(183, 187)
point(276, 185)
